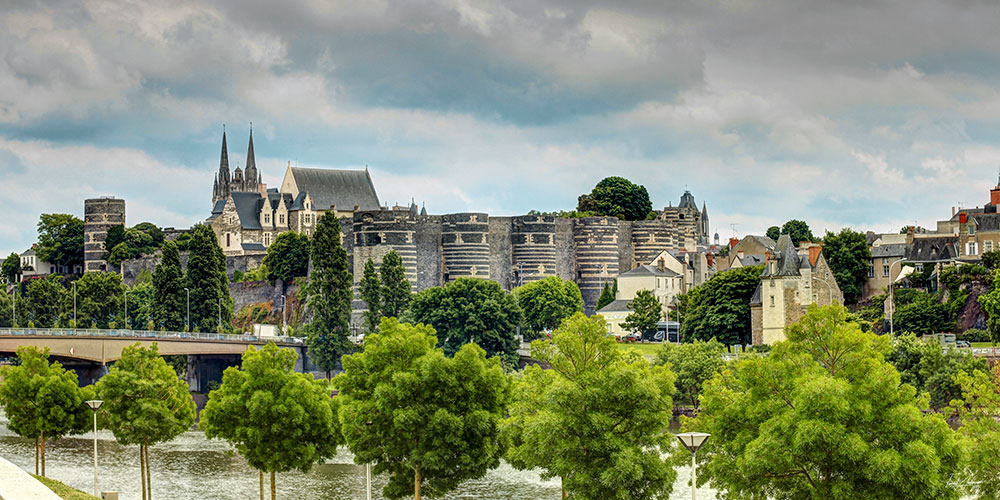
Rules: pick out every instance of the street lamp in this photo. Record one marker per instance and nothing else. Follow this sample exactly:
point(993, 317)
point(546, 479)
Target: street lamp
point(892, 302)
point(220, 313)
point(692, 441)
point(187, 322)
point(829, 287)
point(94, 404)
point(126, 308)
point(74, 306)
point(17, 287)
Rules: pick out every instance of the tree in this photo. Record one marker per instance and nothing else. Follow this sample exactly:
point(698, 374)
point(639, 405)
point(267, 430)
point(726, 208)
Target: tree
point(140, 305)
point(924, 314)
point(119, 253)
point(330, 292)
point(798, 231)
point(694, 363)
point(60, 240)
point(720, 307)
point(154, 232)
point(823, 416)
point(168, 309)
point(145, 403)
point(43, 401)
point(6, 310)
point(979, 412)
point(288, 256)
point(99, 299)
point(607, 296)
point(46, 302)
point(646, 313)
point(991, 259)
point(991, 305)
point(848, 254)
point(396, 292)
point(208, 282)
point(598, 419)
point(370, 289)
point(617, 197)
point(773, 232)
point(277, 419)
point(11, 267)
point(929, 369)
point(427, 421)
point(470, 310)
point(547, 302)
point(115, 236)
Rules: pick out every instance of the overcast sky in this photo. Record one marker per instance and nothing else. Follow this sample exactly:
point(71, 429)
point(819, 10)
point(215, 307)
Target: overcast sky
point(865, 114)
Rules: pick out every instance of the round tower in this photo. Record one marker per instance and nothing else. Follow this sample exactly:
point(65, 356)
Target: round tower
point(533, 241)
point(595, 243)
point(99, 215)
point(465, 247)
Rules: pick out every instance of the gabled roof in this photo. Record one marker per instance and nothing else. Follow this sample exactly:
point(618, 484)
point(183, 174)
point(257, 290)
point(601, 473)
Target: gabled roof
point(893, 250)
point(787, 259)
point(616, 306)
point(753, 260)
point(646, 270)
point(343, 188)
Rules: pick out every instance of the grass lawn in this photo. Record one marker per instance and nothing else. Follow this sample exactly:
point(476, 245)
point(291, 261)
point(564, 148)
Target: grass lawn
point(64, 492)
point(982, 344)
point(648, 350)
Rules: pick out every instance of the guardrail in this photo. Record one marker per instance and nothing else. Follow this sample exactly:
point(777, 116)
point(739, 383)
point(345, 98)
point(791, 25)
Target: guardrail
point(145, 334)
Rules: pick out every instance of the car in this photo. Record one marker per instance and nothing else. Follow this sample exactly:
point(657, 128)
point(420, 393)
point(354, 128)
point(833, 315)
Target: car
point(962, 344)
point(633, 337)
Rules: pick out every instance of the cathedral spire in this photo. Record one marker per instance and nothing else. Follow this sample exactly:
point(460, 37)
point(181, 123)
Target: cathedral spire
point(224, 161)
point(250, 170)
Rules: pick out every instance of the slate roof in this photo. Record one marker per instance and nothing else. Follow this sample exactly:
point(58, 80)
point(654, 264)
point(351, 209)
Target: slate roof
point(764, 241)
point(987, 222)
point(933, 249)
point(687, 201)
point(248, 207)
point(753, 260)
point(343, 188)
point(756, 299)
point(647, 270)
point(891, 250)
point(616, 306)
point(788, 259)
point(258, 247)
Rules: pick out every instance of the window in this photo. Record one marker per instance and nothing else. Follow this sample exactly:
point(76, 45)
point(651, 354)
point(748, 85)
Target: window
point(972, 248)
point(885, 270)
point(972, 229)
point(267, 239)
point(988, 246)
point(919, 267)
point(281, 218)
point(227, 239)
point(267, 218)
point(871, 268)
point(772, 301)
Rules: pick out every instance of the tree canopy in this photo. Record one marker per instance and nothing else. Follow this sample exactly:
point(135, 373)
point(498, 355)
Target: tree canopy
point(329, 294)
point(546, 303)
point(395, 292)
point(60, 240)
point(427, 421)
point(11, 267)
point(847, 253)
point(370, 290)
point(646, 313)
point(598, 419)
point(773, 232)
point(277, 419)
point(617, 197)
point(169, 307)
point(206, 277)
point(607, 295)
point(720, 307)
point(798, 231)
point(288, 256)
point(47, 303)
point(991, 305)
point(979, 412)
point(99, 298)
point(693, 363)
point(928, 368)
point(470, 310)
point(823, 416)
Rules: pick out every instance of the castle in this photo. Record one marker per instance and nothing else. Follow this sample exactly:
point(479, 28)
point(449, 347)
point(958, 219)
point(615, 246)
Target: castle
point(436, 249)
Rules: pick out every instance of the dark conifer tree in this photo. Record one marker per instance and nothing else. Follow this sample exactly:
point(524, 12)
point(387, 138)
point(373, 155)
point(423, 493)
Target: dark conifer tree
point(207, 280)
point(168, 308)
point(329, 292)
point(395, 287)
point(371, 293)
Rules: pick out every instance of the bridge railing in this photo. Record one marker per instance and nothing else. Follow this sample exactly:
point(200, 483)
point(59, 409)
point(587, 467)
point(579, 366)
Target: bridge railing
point(146, 335)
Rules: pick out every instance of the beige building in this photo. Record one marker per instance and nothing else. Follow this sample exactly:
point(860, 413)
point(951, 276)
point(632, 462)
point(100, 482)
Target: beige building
point(752, 250)
point(660, 277)
point(31, 265)
point(885, 264)
point(792, 280)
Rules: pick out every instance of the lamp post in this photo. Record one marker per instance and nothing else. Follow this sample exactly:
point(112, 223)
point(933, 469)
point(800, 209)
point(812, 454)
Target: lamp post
point(220, 313)
point(74, 306)
point(187, 321)
point(692, 441)
point(829, 287)
point(94, 404)
point(13, 323)
point(892, 302)
point(126, 308)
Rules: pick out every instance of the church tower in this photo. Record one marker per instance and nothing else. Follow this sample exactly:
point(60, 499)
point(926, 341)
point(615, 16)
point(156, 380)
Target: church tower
point(250, 175)
point(223, 185)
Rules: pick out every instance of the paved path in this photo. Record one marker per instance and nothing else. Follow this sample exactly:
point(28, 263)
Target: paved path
point(15, 484)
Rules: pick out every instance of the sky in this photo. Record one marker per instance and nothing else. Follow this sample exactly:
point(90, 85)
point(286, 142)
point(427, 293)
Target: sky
point(863, 114)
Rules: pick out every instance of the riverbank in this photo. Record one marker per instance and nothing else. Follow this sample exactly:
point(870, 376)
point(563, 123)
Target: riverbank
point(65, 492)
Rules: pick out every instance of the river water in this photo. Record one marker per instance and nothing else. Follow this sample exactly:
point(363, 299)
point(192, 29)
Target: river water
point(192, 467)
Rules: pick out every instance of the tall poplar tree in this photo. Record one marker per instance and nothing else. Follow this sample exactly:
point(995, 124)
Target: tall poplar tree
point(395, 287)
point(329, 292)
point(207, 280)
point(371, 292)
point(169, 298)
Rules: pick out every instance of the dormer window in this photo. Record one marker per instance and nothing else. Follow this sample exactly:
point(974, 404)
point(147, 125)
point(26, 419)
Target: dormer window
point(972, 229)
point(267, 218)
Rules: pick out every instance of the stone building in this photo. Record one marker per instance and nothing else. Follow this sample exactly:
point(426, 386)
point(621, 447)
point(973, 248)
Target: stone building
point(99, 215)
point(793, 278)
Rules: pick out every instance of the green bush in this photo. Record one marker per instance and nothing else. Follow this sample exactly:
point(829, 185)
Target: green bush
point(974, 335)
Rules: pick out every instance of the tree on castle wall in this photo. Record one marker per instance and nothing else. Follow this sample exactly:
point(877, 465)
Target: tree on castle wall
point(617, 197)
point(207, 280)
point(546, 303)
point(329, 292)
point(168, 306)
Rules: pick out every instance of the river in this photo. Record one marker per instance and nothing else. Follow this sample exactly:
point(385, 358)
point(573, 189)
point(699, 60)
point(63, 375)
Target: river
point(192, 467)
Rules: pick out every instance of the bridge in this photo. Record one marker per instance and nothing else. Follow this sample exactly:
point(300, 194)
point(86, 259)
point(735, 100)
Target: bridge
point(87, 351)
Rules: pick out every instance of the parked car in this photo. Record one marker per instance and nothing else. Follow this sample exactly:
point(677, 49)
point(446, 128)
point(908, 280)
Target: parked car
point(633, 337)
point(962, 344)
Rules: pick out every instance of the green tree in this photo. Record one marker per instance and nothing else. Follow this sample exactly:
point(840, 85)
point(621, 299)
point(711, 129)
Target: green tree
point(43, 401)
point(797, 230)
point(154, 232)
point(115, 236)
point(991, 259)
point(823, 416)
point(979, 412)
point(120, 253)
point(140, 305)
point(207, 280)
point(924, 314)
point(60, 240)
point(547, 302)
point(607, 296)
point(694, 363)
point(646, 313)
point(370, 289)
point(169, 304)
point(991, 305)
point(929, 369)
point(598, 419)
point(396, 292)
point(47, 301)
point(773, 232)
point(470, 310)
point(330, 292)
point(288, 256)
point(277, 419)
point(427, 421)
point(144, 403)
point(848, 254)
point(11, 267)
point(617, 197)
point(99, 299)
point(6, 310)
point(720, 307)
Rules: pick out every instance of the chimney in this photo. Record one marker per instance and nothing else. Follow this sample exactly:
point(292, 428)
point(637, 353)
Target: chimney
point(739, 254)
point(333, 208)
point(660, 265)
point(710, 259)
point(952, 211)
point(357, 207)
point(814, 254)
point(995, 196)
point(733, 242)
point(962, 218)
point(909, 233)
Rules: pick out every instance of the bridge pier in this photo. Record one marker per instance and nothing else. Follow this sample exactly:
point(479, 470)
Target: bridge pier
point(203, 369)
point(86, 372)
